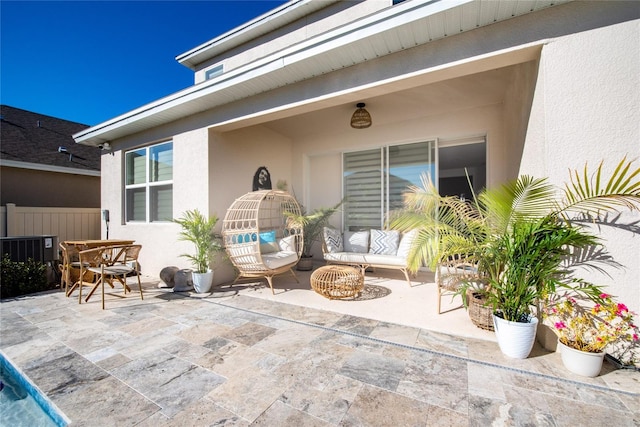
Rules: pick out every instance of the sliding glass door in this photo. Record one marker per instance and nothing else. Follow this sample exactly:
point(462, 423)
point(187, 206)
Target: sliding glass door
point(374, 180)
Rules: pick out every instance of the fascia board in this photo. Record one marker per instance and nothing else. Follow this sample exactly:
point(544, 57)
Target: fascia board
point(47, 168)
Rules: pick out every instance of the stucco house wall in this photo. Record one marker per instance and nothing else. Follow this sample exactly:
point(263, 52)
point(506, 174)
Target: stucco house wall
point(549, 90)
point(586, 110)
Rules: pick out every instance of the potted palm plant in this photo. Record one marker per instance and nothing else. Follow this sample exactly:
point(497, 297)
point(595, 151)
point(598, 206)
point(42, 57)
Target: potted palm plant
point(199, 230)
point(312, 226)
point(519, 235)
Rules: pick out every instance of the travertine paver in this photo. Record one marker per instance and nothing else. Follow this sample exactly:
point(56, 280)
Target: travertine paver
point(234, 360)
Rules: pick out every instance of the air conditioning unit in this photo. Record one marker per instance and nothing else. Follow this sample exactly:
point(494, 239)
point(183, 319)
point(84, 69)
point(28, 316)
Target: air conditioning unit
point(38, 248)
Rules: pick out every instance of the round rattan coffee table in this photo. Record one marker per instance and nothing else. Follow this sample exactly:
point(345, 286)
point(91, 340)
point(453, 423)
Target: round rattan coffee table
point(337, 281)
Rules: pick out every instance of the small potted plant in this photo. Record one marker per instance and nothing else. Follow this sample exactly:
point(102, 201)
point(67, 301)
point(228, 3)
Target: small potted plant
point(585, 330)
point(198, 229)
point(312, 225)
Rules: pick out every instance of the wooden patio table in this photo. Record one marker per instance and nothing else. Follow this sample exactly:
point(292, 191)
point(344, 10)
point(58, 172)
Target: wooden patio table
point(90, 244)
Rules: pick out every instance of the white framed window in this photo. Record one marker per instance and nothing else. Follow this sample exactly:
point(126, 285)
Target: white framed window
point(149, 183)
point(213, 72)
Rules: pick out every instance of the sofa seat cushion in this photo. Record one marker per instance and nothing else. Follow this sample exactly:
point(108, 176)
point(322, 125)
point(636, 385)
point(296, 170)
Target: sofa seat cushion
point(365, 259)
point(245, 255)
point(279, 259)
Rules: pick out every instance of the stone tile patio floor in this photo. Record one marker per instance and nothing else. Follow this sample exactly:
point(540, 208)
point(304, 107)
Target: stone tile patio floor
point(230, 358)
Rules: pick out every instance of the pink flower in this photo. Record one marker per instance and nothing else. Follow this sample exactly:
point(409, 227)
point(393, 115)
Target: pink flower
point(560, 325)
point(635, 337)
point(604, 296)
point(622, 308)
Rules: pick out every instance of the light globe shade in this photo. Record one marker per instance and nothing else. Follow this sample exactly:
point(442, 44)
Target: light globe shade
point(361, 118)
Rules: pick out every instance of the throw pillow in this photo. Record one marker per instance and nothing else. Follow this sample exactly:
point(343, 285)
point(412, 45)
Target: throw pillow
point(267, 236)
point(406, 242)
point(356, 241)
point(333, 240)
point(287, 244)
point(384, 242)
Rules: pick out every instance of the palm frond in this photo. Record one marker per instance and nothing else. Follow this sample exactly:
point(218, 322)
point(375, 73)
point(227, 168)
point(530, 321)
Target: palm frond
point(525, 197)
point(589, 195)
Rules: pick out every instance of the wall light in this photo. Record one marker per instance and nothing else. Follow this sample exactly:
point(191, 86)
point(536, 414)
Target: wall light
point(361, 118)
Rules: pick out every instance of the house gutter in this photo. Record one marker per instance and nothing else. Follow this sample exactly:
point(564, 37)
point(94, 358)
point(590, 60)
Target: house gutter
point(48, 168)
point(257, 27)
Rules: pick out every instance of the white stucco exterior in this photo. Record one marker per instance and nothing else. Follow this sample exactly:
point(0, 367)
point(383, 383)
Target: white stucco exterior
point(550, 90)
point(586, 110)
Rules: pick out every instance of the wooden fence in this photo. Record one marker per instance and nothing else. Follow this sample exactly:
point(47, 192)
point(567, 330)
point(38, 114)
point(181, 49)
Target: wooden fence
point(66, 223)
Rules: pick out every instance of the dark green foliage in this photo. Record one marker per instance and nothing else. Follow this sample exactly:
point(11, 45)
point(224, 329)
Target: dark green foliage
point(21, 278)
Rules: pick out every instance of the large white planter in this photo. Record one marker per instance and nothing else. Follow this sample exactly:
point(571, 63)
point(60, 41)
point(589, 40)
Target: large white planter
point(202, 281)
point(581, 362)
point(515, 339)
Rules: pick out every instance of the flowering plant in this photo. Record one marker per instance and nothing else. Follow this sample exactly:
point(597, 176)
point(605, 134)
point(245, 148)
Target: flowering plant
point(592, 329)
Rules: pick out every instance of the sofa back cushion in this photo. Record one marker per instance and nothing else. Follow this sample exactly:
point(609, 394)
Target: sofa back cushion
point(406, 242)
point(333, 240)
point(356, 241)
point(384, 242)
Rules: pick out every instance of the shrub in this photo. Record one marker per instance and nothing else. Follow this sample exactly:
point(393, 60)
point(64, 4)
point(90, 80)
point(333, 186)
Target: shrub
point(21, 278)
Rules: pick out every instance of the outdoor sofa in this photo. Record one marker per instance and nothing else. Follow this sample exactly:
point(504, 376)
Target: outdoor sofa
point(369, 248)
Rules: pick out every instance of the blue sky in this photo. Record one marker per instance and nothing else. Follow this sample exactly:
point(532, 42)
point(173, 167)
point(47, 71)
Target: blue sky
point(89, 61)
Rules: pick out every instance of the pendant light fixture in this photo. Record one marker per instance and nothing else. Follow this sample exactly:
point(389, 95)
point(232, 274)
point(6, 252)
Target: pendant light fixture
point(361, 118)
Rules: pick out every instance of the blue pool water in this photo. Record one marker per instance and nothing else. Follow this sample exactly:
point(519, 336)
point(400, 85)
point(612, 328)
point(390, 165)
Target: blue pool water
point(21, 403)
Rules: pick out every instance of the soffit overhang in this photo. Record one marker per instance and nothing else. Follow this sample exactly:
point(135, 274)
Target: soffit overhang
point(400, 27)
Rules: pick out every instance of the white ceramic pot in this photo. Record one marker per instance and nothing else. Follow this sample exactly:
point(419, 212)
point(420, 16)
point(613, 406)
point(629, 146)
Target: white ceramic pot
point(581, 362)
point(202, 281)
point(515, 338)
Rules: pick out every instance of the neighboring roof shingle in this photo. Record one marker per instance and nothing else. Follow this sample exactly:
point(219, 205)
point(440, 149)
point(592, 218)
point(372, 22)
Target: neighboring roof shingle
point(31, 137)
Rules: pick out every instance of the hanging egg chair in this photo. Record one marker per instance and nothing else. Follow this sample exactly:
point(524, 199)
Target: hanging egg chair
point(259, 239)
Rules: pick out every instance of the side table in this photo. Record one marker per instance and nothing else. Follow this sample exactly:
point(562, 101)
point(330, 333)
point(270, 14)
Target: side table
point(337, 281)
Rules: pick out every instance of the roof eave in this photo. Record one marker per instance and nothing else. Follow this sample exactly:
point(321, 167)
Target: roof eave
point(253, 29)
point(232, 86)
point(48, 168)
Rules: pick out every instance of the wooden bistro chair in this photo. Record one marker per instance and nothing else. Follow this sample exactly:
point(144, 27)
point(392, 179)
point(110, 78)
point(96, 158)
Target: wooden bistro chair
point(109, 264)
point(70, 267)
